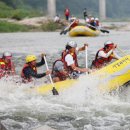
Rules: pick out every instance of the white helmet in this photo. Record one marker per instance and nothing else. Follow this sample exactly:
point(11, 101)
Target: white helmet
point(92, 18)
point(108, 43)
point(7, 54)
point(96, 19)
point(72, 44)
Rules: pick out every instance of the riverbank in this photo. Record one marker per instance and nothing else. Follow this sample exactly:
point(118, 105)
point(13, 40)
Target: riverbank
point(35, 24)
point(39, 24)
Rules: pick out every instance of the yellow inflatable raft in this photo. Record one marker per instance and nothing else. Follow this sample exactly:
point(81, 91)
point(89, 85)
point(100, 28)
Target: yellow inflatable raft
point(111, 77)
point(83, 31)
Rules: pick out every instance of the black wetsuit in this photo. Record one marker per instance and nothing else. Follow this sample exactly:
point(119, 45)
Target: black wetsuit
point(30, 72)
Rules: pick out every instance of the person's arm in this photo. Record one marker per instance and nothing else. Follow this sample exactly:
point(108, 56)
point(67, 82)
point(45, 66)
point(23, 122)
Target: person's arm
point(116, 56)
point(83, 48)
point(105, 55)
point(70, 62)
point(42, 62)
point(29, 72)
point(79, 69)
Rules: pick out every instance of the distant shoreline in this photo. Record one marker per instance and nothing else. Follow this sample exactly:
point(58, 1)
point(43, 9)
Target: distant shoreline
point(44, 24)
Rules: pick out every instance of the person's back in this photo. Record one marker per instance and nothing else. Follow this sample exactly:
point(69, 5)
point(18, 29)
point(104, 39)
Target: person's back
point(58, 71)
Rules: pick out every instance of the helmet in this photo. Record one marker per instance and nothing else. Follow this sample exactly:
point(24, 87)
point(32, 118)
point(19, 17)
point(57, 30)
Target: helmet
point(30, 58)
point(72, 44)
point(108, 43)
point(92, 18)
point(7, 55)
point(96, 19)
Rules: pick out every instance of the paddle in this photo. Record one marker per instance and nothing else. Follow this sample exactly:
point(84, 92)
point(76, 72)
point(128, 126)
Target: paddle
point(86, 56)
point(54, 91)
point(98, 28)
point(121, 51)
point(66, 29)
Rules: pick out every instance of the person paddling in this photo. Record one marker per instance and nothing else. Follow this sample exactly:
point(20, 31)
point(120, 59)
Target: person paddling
point(71, 61)
point(6, 65)
point(74, 23)
point(29, 70)
point(61, 67)
point(105, 55)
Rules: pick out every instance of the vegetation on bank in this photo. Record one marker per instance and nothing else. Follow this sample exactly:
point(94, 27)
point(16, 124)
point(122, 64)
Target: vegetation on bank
point(13, 27)
point(51, 26)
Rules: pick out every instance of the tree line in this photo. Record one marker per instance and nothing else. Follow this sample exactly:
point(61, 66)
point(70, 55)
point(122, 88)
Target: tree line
point(115, 8)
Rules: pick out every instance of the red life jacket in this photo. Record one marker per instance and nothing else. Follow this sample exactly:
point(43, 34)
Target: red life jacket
point(74, 24)
point(6, 67)
point(25, 80)
point(74, 55)
point(58, 73)
point(2, 68)
point(100, 62)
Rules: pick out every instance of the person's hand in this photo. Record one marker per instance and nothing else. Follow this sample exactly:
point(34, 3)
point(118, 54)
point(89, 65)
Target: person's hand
point(43, 54)
point(48, 72)
point(86, 44)
point(115, 45)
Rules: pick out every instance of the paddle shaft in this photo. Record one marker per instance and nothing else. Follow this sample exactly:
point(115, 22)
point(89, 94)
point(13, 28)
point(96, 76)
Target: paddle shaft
point(54, 91)
point(102, 30)
point(48, 69)
point(121, 51)
point(86, 56)
point(66, 29)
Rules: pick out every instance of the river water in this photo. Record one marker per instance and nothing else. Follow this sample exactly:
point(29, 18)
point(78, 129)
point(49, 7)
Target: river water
point(81, 107)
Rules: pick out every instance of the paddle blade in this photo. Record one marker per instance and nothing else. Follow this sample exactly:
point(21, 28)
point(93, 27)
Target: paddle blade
point(54, 91)
point(104, 31)
point(61, 32)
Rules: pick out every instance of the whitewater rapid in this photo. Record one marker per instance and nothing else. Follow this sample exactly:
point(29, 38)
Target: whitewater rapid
point(82, 107)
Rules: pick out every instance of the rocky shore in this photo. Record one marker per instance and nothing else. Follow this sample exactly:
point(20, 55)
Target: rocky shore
point(40, 23)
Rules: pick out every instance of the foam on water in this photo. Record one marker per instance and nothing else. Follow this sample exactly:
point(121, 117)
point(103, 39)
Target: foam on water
point(81, 107)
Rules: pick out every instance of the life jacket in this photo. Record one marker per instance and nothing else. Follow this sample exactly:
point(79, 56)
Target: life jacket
point(74, 55)
point(6, 67)
point(99, 62)
point(2, 64)
point(75, 23)
point(2, 68)
point(58, 74)
point(24, 78)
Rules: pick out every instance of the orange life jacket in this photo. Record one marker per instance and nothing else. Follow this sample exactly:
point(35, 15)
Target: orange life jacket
point(100, 62)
